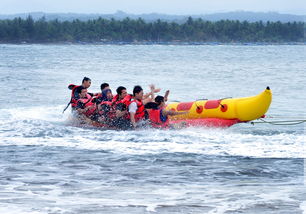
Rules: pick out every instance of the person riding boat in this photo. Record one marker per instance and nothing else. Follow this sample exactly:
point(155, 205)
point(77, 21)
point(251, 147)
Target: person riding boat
point(103, 94)
point(85, 108)
point(136, 108)
point(120, 103)
point(158, 115)
point(107, 95)
point(149, 97)
point(104, 86)
point(86, 82)
point(105, 107)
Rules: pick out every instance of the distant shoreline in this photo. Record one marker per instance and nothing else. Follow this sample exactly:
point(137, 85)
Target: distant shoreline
point(139, 32)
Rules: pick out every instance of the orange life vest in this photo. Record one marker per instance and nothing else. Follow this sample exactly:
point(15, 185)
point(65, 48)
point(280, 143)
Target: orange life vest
point(126, 101)
point(107, 110)
point(88, 102)
point(74, 100)
point(140, 112)
point(155, 117)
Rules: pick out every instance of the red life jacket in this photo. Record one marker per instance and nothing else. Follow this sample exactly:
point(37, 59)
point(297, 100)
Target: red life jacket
point(98, 96)
point(126, 101)
point(88, 102)
point(140, 112)
point(115, 98)
point(74, 100)
point(108, 110)
point(155, 118)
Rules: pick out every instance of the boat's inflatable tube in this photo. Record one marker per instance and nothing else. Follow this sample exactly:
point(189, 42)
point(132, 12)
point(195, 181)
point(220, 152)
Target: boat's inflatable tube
point(223, 112)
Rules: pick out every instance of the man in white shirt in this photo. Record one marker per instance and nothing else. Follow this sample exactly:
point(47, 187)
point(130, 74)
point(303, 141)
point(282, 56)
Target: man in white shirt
point(136, 107)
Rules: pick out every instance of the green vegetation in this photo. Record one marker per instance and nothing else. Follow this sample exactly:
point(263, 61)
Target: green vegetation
point(129, 30)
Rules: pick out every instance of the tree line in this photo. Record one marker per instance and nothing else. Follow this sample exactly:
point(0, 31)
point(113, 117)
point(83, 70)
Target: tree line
point(137, 30)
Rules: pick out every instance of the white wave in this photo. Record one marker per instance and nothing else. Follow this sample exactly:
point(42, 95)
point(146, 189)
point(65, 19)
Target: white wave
point(46, 113)
point(303, 207)
point(45, 126)
point(14, 209)
point(208, 142)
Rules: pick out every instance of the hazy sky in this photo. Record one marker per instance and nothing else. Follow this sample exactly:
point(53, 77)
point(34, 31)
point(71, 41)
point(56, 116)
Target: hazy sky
point(148, 6)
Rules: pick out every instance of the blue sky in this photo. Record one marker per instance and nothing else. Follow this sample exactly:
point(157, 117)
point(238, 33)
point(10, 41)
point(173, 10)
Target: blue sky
point(181, 7)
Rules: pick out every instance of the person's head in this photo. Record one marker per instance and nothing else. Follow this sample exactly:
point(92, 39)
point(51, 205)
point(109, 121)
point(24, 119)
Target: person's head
point(151, 105)
point(121, 91)
point(104, 86)
point(160, 101)
point(86, 82)
point(138, 92)
point(107, 95)
point(82, 91)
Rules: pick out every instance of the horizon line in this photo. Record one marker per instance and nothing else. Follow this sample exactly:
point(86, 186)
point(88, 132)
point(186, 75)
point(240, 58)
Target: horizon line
point(157, 13)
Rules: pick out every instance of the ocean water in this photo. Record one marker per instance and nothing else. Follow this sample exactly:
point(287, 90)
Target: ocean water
point(48, 166)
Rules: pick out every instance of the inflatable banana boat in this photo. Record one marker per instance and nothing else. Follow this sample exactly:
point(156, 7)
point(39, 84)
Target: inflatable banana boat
point(223, 112)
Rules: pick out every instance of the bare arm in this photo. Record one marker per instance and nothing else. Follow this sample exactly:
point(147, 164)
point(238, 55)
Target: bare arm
point(147, 95)
point(173, 113)
point(151, 93)
point(132, 116)
point(82, 110)
point(166, 95)
point(120, 113)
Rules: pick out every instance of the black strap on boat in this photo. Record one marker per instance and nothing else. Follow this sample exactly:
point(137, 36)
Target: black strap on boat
point(222, 106)
point(225, 98)
point(67, 106)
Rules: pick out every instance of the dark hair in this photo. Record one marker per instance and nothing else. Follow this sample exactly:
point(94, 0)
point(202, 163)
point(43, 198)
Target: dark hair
point(151, 105)
point(137, 89)
point(86, 79)
point(120, 89)
point(79, 89)
point(159, 99)
point(104, 85)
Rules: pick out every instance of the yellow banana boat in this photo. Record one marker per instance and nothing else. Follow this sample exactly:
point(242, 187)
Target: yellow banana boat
point(223, 112)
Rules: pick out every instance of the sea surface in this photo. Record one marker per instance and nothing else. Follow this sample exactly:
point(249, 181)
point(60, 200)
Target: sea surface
point(50, 167)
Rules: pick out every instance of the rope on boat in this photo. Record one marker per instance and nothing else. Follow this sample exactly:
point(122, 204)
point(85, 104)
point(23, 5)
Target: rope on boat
point(285, 117)
point(280, 123)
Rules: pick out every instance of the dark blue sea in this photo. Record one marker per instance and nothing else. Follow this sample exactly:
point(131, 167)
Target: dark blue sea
point(50, 167)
